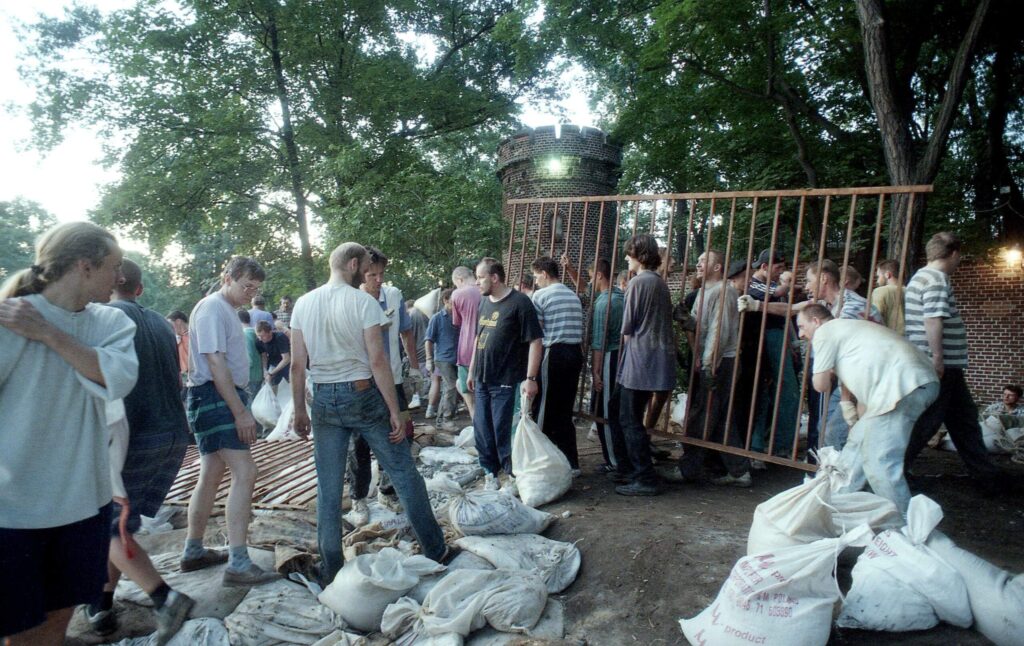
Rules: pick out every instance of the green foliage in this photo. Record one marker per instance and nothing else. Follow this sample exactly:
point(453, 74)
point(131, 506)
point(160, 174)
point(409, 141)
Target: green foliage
point(22, 221)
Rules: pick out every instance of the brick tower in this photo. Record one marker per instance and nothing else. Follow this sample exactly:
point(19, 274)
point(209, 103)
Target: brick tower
point(547, 163)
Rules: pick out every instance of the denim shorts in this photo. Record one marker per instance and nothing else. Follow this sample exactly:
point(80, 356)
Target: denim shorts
point(211, 420)
point(150, 468)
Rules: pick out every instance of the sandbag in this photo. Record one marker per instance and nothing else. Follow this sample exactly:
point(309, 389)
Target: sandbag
point(429, 303)
point(205, 631)
point(466, 439)
point(463, 561)
point(993, 436)
point(900, 584)
point(542, 471)
point(857, 508)
point(780, 598)
point(995, 595)
point(679, 409)
point(484, 513)
point(464, 601)
point(280, 613)
point(366, 585)
point(342, 638)
point(445, 455)
point(802, 514)
point(556, 562)
point(265, 407)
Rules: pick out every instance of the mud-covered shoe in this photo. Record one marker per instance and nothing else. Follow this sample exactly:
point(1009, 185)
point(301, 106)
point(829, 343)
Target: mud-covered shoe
point(491, 483)
point(360, 514)
point(728, 480)
point(103, 622)
point(637, 489)
point(208, 559)
point(171, 615)
point(252, 575)
point(510, 487)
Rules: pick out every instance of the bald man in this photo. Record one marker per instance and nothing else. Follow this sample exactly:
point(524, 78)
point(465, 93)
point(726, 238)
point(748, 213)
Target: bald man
point(158, 433)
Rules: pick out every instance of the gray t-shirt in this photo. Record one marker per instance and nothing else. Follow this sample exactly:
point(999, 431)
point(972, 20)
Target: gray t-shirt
point(214, 327)
point(54, 461)
point(420, 321)
point(648, 360)
point(714, 329)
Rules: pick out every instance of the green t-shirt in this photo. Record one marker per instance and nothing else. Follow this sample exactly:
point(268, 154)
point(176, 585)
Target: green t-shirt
point(614, 321)
point(255, 363)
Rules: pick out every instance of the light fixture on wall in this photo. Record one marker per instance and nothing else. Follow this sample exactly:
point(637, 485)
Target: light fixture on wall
point(1014, 257)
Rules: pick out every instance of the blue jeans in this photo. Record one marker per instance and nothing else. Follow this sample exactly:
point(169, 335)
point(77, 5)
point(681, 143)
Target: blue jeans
point(789, 398)
point(339, 410)
point(877, 445)
point(834, 429)
point(630, 441)
point(492, 426)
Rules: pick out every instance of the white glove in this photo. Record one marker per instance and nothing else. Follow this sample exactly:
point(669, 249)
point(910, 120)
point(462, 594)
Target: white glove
point(747, 303)
point(849, 410)
point(414, 378)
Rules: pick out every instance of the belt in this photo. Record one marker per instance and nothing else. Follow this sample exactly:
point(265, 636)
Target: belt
point(357, 385)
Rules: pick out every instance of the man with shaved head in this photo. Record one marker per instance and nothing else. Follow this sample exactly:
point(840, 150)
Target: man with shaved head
point(158, 433)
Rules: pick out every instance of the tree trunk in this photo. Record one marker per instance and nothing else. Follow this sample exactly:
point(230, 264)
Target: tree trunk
point(894, 124)
point(291, 156)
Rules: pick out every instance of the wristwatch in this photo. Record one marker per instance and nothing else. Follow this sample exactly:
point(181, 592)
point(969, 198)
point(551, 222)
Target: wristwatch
point(531, 379)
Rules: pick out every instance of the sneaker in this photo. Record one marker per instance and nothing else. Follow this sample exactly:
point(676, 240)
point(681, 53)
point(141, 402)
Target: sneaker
point(510, 487)
point(360, 514)
point(430, 411)
point(449, 426)
point(758, 465)
point(491, 483)
point(729, 480)
point(171, 616)
point(208, 559)
point(576, 473)
point(103, 622)
point(637, 489)
point(605, 468)
point(389, 499)
point(253, 575)
point(415, 401)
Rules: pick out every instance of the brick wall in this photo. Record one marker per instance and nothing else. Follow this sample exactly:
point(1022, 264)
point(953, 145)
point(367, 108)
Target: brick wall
point(587, 164)
point(991, 300)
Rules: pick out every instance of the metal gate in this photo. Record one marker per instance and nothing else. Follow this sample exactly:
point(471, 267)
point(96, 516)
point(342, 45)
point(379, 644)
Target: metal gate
point(844, 224)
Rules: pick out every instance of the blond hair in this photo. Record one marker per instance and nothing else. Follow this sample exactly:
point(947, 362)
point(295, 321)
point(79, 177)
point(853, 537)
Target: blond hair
point(57, 252)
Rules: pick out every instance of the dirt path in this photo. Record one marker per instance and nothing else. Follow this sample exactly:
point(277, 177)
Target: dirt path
point(647, 562)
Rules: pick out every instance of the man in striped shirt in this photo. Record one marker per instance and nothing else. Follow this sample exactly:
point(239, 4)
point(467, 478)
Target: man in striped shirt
point(561, 317)
point(933, 324)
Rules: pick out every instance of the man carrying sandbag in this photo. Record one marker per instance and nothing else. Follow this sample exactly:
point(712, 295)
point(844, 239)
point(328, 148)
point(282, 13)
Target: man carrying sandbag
point(338, 328)
point(892, 381)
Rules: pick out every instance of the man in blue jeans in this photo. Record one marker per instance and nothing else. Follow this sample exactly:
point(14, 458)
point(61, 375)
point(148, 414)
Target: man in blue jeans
point(508, 351)
point(338, 328)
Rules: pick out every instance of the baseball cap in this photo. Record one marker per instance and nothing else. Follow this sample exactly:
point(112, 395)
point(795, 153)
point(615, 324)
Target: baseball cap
point(762, 258)
point(736, 267)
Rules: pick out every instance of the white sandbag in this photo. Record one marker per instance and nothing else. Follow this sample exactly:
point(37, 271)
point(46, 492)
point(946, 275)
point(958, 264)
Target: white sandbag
point(900, 584)
point(265, 408)
point(442, 455)
point(483, 513)
point(995, 595)
point(342, 638)
point(991, 433)
point(549, 628)
point(280, 613)
point(556, 562)
point(366, 585)
point(542, 471)
point(466, 439)
point(464, 601)
point(679, 409)
point(206, 631)
point(781, 598)
point(857, 508)
point(429, 303)
point(463, 561)
point(802, 514)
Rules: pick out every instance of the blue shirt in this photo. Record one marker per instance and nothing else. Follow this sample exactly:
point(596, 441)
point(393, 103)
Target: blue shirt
point(444, 335)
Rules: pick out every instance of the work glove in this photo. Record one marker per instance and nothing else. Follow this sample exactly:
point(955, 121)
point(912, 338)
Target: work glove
point(849, 410)
point(747, 303)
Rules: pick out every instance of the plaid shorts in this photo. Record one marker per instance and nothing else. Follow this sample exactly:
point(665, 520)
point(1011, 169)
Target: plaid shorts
point(211, 420)
point(150, 468)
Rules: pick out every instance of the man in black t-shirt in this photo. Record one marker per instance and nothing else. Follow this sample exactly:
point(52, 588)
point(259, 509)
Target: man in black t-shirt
point(508, 351)
point(275, 348)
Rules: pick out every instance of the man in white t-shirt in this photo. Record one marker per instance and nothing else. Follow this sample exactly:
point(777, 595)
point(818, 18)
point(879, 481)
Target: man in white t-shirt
point(339, 329)
point(891, 380)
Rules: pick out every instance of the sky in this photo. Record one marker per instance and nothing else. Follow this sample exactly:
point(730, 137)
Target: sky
point(67, 180)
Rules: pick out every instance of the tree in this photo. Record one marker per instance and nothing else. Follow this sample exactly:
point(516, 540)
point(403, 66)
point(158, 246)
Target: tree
point(22, 222)
point(275, 121)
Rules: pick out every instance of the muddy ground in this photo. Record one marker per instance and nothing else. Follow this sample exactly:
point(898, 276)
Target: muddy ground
point(647, 562)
